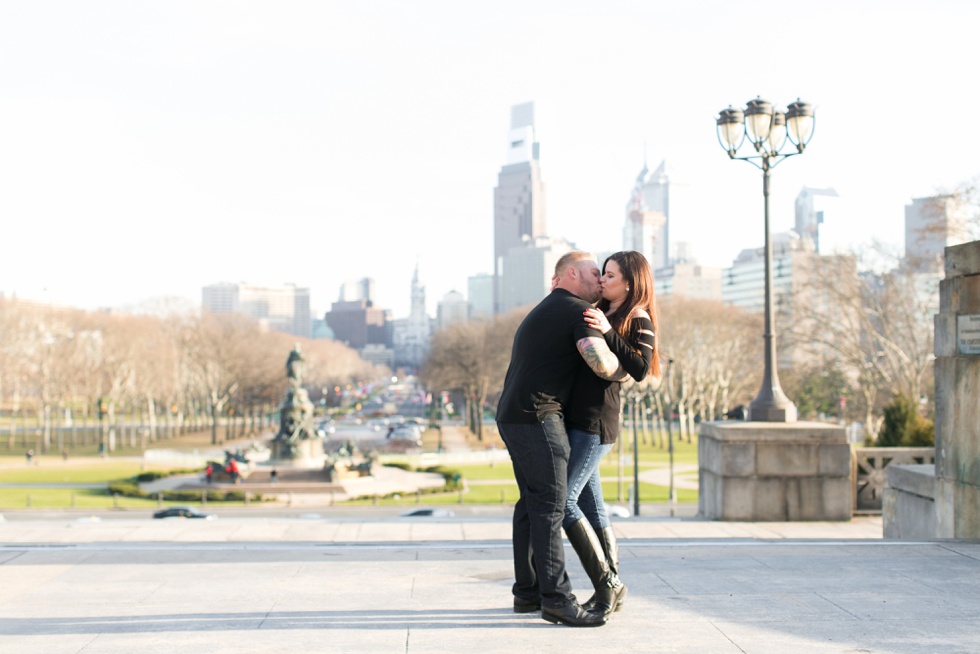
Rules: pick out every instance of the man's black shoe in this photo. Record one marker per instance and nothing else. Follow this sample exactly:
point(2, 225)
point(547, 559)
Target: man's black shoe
point(526, 606)
point(573, 615)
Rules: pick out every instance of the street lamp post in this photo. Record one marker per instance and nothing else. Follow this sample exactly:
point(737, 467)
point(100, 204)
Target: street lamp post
point(768, 131)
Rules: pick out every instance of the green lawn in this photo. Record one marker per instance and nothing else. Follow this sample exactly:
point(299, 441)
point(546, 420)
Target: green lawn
point(90, 472)
point(51, 470)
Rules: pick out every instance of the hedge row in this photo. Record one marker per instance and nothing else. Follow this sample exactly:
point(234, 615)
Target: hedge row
point(130, 488)
point(453, 482)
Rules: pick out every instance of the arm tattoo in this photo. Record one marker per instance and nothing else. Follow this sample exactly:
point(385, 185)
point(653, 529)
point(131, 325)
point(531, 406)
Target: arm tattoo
point(600, 359)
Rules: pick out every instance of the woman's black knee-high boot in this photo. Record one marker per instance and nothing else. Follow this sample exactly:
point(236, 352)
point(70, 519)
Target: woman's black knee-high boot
point(609, 590)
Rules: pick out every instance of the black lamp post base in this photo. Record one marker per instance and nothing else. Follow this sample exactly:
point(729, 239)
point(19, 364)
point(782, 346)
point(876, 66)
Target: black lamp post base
point(784, 412)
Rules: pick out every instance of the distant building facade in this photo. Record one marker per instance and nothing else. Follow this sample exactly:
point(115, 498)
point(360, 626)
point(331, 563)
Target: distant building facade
point(412, 335)
point(799, 285)
point(931, 225)
point(526, 271)
point(809, 206)
point(282, 308)
point(452, 309)
point(357, 289)
point(689, 280)
point(358, 324)
point(654, 201)
point(479, 290)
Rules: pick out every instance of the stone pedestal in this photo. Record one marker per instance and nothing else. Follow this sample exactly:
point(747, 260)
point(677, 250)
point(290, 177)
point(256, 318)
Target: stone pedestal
point(300, 454)
point(765, 471)
point(958, 395)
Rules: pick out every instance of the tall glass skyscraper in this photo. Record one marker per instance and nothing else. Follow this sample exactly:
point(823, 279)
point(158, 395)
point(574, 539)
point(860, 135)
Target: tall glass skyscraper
point(518, 199)
point(648, 215)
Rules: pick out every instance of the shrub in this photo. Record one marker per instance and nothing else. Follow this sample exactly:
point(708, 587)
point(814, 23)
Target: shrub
point(126, 488)
point(904, 427)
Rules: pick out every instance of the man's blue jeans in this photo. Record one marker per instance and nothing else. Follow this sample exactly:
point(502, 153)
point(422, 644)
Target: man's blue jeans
point(539, 452)
point(584, 488)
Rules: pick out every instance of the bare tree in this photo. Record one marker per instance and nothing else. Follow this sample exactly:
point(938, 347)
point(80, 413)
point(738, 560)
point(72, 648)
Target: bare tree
point(717, 354)
point(472, 357)
point(876, 325)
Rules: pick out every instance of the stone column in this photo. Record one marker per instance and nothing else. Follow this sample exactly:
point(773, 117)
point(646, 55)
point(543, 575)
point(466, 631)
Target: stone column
point(957, 349)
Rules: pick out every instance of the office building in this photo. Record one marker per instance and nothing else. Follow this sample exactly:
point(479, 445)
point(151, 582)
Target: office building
point(357, 289)
point(519, 197)
point(800, 286)
point(282, 308)
point(688, 280)
point(452, 309)
point(479, 290)
point(526, 271)
point(932, 224)
point(358, 324)
point(654, 201)
point(810, 207)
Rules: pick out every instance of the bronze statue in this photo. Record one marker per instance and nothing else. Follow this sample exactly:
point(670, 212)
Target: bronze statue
point(296, 412)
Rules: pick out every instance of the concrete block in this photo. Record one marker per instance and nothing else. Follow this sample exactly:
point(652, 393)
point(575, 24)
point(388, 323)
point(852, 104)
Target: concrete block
point(787, 459)
point(966, 503)
point(777, 432)
point(708, 505)
point(837, 501)
point(834, 461)
point(772, 497)
point(907, 516)
point(738, 499)
point(960, 260)
point(738, 459)
point(917, 479)
point(814, 498)
point(945, 509)
point(945, 343)
point(967, 295)
point(957, 420)
point(709, 453)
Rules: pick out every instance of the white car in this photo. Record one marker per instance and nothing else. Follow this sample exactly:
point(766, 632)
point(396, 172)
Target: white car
point(616, 511)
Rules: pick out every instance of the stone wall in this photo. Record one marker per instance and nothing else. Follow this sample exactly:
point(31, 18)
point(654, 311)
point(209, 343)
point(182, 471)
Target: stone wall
point(909, 503)
point(763, 471)
point(958, 396)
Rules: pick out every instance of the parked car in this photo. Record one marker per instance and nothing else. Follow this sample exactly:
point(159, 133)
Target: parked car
point(183, 512)
point(617, 511)
point(415, 422)
point(406, 432)
point(428, 513)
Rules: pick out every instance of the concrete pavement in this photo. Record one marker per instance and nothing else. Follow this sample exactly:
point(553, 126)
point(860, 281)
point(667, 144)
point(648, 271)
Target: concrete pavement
point(377, 582)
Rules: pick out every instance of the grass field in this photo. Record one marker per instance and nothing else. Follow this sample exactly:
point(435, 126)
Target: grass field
point(479, 479)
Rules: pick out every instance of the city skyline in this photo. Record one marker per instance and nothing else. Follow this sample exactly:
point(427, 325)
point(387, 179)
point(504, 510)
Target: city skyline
point(150, 150)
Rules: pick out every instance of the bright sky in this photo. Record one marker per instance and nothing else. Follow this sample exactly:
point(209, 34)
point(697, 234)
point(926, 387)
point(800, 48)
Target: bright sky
point(150, 148)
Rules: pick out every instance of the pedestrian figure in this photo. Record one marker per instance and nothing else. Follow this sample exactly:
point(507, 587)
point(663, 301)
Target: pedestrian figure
point(274, 477)
point(30, 455)
point(209, 472)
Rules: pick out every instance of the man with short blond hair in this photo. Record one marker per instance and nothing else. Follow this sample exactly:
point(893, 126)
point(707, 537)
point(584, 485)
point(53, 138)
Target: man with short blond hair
point(550, 345)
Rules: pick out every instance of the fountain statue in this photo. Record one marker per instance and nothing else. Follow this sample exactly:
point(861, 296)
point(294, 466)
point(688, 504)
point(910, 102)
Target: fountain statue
point(297, 441)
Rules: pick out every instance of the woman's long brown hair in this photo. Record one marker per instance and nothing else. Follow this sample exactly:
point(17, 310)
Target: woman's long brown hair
point(639, 280)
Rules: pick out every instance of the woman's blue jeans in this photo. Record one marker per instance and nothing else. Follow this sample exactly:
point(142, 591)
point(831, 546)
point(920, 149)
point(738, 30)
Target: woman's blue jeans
point(584, 489)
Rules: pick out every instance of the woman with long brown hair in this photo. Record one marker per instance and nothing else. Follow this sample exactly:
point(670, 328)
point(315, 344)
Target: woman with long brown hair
point(627, 317)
